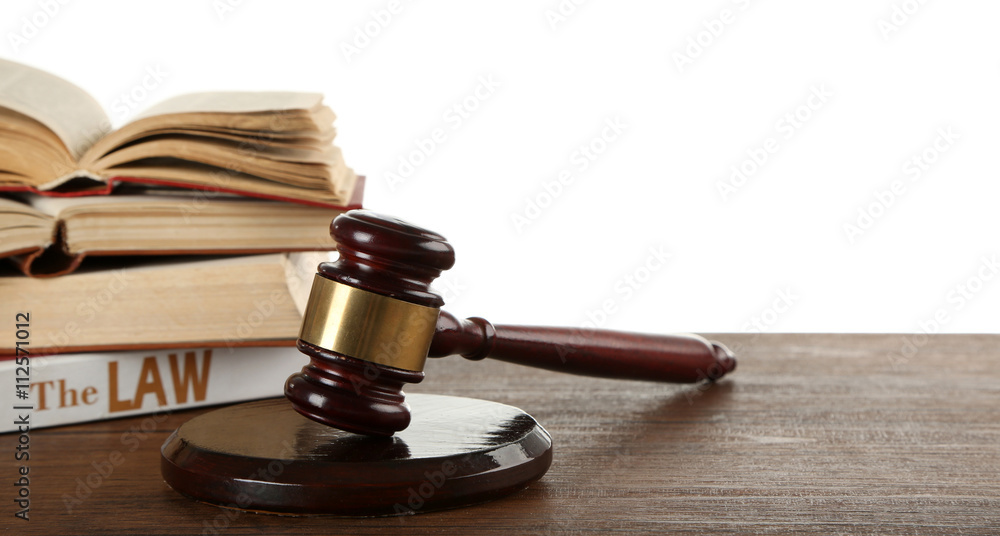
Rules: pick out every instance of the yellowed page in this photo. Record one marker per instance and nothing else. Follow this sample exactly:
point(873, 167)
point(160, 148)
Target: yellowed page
point(235, 102)
point(68, 111)
point(214, 178)
point(22, 228)
point(223, 155)
point(314, 127)
point(27, 127)
point(217, 228)
point(162, 303)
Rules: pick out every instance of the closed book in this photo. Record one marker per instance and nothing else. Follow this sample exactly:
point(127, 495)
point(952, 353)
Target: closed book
point(67, 389)
point(227, 302)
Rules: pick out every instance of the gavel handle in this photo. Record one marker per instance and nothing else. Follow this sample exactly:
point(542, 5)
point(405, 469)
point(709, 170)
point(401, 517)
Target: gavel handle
point(602, 353)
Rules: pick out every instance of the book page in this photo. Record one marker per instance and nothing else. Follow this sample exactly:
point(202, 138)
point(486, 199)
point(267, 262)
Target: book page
point(22, 227)
point(54, 206)
point(191, 175)
point(10, 205)
point(300, 270)
point(235, 102)
point(159, 305)
point(65, 109)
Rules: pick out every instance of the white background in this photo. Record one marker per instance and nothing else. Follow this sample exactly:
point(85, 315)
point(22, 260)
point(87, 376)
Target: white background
point(894, 72)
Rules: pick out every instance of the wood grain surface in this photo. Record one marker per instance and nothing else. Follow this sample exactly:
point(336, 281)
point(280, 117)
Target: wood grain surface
point(823, 434)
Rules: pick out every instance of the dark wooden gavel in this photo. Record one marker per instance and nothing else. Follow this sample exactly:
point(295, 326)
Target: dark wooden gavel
point(372, 320)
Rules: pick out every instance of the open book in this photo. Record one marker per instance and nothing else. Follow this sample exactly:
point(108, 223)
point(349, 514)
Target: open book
point(255, 300)
point(55, 139)
point(49, 236)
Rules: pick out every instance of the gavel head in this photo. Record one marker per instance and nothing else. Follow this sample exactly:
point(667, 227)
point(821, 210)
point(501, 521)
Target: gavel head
point(368, 324)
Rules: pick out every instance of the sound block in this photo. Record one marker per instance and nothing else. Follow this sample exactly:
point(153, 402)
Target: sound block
point(263, 456)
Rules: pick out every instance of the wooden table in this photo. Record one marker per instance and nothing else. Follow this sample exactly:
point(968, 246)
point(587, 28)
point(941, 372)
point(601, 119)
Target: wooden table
point(825, 434)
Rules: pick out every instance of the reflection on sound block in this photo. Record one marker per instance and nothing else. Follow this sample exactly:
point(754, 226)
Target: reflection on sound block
point(264, 456)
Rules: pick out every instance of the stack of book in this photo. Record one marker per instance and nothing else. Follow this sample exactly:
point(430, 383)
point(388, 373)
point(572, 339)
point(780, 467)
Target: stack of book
point(165, 264)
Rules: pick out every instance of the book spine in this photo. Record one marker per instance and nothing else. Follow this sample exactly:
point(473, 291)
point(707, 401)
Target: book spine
point(78, 388)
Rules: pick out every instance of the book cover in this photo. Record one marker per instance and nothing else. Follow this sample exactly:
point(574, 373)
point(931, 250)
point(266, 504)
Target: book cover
point(66, 389)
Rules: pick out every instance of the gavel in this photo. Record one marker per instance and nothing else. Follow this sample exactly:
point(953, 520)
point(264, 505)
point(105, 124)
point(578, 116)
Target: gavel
point(372, 319)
